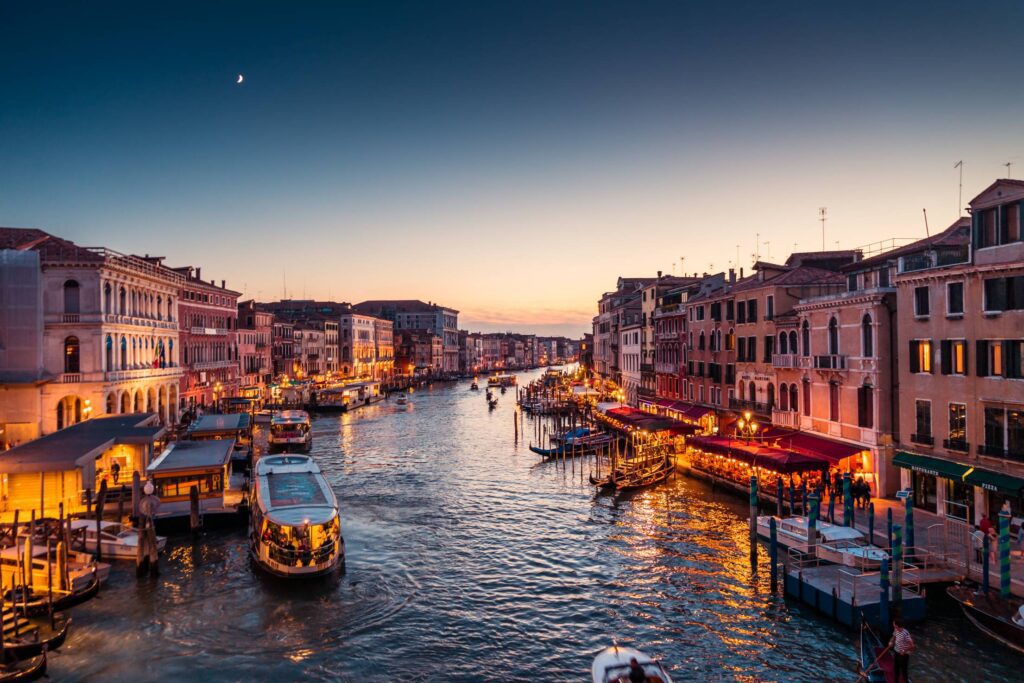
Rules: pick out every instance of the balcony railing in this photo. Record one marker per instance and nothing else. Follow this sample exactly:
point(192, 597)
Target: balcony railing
point(1000, 452)
point(786, 418)
point(805, 362)
point(70, 318)
point(210, 331)
point(117, 319)
point(924, 439)
point(830, 362)
point(752, 406)
point(71, 378)
point(784, 360)
point(142, 373)
point(956, 445)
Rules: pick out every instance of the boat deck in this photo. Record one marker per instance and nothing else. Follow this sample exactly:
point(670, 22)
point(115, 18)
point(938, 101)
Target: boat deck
point(848, 594)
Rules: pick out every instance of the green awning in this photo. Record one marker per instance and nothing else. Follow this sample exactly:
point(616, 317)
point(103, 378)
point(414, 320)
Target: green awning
point(996, 481)
point(933, 466)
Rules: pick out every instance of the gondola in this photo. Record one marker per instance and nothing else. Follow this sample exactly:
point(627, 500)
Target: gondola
point(880, 671)
point(37, 604)
point(16, 649)
point(644, 478)
point(25, 670)
point(548, 452)
point(492, 404)
point(1000, 619)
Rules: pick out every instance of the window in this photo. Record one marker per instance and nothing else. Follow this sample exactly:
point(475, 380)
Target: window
point(792, 397)
point(730, 340)
point(752, 311)
point(741, 353)
point(994, 430)
point(923, 429)
point(998, 225)
point(833, 336)
point(741, 312)
point(807, 397)
point(700, 312)
point(806, 333)
point(752, 391)
point(108, 356)
point(783, 343)
point(866, 337)
point(771, 395)
point(769, 309)
point(107, 299)
point(851, 282)
point(954, 357)
point(792, 343)
point(866, 406)
point(783, 397)
point(921, 304)
point(700, 345)
point(955, 298)
point(71, 297)
point(883, 276)
point(752, 349)
point(921, 355)
point(729, 310)
point(1004, 294)
point(716, 311)
point(1015, 432)
point(957, 426)
point(71, 355)
point(833, 401)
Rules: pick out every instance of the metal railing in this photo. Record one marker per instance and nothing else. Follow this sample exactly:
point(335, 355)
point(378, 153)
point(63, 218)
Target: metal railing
point(830, 362)
point(784, 360)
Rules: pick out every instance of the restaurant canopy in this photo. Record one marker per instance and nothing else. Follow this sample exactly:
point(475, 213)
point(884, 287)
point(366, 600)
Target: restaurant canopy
point(759, 455)
point(640, 420)
point(946, 469)
point(683, 410)
point(810, 444)
point(995, 481)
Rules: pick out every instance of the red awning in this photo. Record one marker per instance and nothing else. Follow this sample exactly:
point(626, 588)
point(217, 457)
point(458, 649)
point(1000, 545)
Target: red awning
point(811, 444)
point(638, 419)
point(752, 453)
point(689, 410)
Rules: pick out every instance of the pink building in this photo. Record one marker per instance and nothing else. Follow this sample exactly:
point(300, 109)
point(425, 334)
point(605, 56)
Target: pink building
point(208, 317)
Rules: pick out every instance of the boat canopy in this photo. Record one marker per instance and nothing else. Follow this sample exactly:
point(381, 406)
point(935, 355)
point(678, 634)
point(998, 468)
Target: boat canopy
point(287, 417)
point(210, 425)
point(291, 490)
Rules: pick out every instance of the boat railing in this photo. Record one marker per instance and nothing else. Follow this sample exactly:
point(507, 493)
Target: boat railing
point(800, 560)
point(862, 584)
point(296, 557)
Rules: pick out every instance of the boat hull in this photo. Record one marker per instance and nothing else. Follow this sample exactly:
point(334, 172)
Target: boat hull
point(290, 572)
point(982, 612)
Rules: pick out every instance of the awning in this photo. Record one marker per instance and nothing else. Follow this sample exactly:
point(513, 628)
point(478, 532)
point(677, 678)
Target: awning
point(995, 481)
point(752, 453)
point(688, 410)
point(933, 466)
point(811, 444)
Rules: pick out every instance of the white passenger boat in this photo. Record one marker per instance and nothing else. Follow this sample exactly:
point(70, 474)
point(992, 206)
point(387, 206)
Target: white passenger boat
point(264, 416)
point(82, 569)
point(612, 665)
point(294, 526)
point(117, 540)
point(833, 543)
point(290, 430)
point(501, 380)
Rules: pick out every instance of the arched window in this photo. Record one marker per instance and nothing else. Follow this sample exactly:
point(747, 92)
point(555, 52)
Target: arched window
point(60, 414)
point(122, 302)
point(71, 297)
point(867, 341)
point(806, 333)
point(771, 395)
point(170, 308)
point(170, 352)
point(783, 343)
point(792, 397)
point(78, 410)
point(752, 389)
point(700, 343)
point(124, 353)
point(108, 356)
point(783, 396)
point(71, 355)
point(807, 396)
point(111, 403)
point(108, 294)
point(833, 336)
point(792, 344)
point(159, 308)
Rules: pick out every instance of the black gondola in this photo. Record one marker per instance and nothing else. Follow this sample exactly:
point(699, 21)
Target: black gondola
point(872, 668)
point(548, 452)
point(16, 649)
point(24, 670)
point(36, 604)
point(998, 618)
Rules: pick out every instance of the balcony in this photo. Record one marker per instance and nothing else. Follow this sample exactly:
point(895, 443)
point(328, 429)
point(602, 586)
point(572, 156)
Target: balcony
point(143, 373)
point(830, 362)
point(784, 360)
point(786, 418)
point(117, 319)
point(804, 362)
point(208, 331)
point(752, 406)
point(958, 445)
point(924, 439)
point(1000, 452)
point(70, 378)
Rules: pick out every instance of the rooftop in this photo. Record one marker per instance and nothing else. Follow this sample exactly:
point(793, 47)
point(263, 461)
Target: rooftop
point(957, 234)
point(185, 455)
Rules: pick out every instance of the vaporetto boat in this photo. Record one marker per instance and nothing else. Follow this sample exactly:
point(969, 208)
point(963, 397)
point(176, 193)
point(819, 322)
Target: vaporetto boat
point(290, 431)
point(294, 525)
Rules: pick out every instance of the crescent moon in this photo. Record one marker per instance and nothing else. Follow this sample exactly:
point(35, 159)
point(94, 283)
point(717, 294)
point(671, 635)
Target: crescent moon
point(240, 79)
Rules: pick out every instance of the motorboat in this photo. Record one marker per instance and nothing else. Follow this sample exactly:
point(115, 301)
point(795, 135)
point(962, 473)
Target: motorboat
point(833, 543)
point(290, 430)
point(294, 524)
point(612, 665)
point(117, 541)
point(1000, 619)
point(82, 569)
point(402, 400)
point(263, 416)
point(475, 386)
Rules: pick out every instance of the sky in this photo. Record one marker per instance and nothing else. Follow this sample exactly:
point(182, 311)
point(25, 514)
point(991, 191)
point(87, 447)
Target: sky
point(507, 159)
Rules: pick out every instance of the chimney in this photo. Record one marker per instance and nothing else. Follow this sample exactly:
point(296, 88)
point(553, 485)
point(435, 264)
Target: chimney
point(222, 285)
point(732, 276)
point(199, 273)
point(741, 273)
point(659, 274)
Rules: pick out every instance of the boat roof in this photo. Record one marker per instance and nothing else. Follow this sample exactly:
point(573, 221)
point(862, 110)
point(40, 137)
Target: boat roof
point(91, 524)
point(834, 532)
point(290, 417)
point(291, 490)
point(615, 658)
point(190, 455)
point(218, 424)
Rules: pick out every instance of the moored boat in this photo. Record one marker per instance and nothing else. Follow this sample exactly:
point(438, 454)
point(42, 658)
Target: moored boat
point(294, 526)
point(402, 400)
point(1000, 619)
point(26, 639)
point(117, 541)
point(875, 667)
point(833, 543)
point(645, 476)
point(25, 670)
point(612, 665)
point(36, 602)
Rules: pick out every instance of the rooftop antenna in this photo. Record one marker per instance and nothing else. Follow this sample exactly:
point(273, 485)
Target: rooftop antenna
point(757, 246)
point(737, 256)
point(284, 284)
point(1008, 164)
point(960, 196)
point(768, 250)
point(681, 271)
point(822, 215)
point(927, 232)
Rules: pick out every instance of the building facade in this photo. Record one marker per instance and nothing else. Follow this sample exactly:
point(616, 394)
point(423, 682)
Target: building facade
point(412, 314)
point(208, 318)
point(255, 332)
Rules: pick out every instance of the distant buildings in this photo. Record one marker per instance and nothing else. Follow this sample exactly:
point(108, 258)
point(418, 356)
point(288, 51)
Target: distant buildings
point(413, 314)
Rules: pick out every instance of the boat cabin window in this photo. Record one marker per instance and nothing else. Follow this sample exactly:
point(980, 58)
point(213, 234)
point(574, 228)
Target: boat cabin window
point(300, 545)
point(179, 486)
point(295, 427)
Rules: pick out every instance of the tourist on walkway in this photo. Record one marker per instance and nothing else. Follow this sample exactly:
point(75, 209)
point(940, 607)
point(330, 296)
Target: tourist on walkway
point(985, 524)
point(978, 540)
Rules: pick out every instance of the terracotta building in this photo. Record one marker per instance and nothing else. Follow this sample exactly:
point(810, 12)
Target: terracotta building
point(208, 317)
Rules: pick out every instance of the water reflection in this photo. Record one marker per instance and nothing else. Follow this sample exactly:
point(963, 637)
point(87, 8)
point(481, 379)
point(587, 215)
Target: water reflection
point(467, 559)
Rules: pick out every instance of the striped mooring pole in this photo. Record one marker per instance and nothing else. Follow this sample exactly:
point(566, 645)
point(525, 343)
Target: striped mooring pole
point(1004, 554)
point(897, 562)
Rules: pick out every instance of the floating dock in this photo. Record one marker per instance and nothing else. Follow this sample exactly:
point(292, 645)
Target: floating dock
point(850, 595)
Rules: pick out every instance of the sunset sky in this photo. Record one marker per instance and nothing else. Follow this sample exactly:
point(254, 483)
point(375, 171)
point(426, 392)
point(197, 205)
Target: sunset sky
point(507, 159)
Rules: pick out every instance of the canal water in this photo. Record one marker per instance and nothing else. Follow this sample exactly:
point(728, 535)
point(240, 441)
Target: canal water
point(471, 560)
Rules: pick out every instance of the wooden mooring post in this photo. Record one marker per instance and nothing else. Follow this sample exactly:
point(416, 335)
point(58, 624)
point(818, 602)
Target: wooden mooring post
point(195, 518)
point(753, 522)
point(101, 500)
